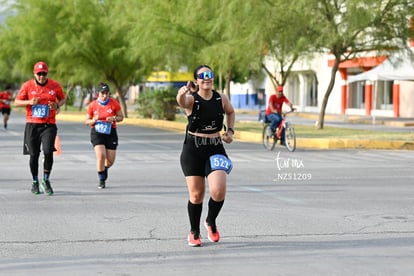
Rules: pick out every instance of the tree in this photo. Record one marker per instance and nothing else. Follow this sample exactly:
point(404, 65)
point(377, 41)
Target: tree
point(283, 36)
point(347, 28)
point(77, 38)
point(26, 39)
point(200, 33)
point(99, 45)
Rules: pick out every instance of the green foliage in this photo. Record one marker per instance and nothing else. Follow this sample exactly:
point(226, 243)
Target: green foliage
point(158, 104)
point(78, 40)
point(70, 98)
point(120, 42)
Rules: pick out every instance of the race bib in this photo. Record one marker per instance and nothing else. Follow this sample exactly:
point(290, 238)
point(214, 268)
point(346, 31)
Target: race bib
point(220, 162)
point(40, 111)
point(103, 127)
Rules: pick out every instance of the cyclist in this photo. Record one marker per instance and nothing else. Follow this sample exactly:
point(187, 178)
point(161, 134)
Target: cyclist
point(274, 111)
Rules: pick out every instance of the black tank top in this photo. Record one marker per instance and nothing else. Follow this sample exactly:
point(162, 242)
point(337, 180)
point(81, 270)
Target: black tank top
point(207, 115)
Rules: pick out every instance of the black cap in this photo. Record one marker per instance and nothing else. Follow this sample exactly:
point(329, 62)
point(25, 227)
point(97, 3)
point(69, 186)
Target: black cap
point(103, 87)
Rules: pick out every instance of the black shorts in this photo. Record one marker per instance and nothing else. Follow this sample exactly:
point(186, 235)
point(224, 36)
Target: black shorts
point(110, 141)
point(36, 134)
point(5, 110)
point(196, 152)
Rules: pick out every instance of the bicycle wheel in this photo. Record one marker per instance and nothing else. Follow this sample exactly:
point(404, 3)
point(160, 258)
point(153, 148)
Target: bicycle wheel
point(268, 141)
point(290, 138)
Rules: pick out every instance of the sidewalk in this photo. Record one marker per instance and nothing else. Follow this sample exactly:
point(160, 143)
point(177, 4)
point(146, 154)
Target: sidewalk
point(299, 118)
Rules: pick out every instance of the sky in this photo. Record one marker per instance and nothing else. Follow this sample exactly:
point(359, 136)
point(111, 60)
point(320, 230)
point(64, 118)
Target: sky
point(3, 6)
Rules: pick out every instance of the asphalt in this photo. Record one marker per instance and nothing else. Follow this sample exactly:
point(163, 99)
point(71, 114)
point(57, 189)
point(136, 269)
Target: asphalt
point(310, 212)
point(344, 121)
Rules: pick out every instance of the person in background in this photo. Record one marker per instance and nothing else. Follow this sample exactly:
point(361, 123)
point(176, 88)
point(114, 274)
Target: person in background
point(203, 155)
point(42, 98)
point(5, 108)
point(274, 111)
point(102, 116)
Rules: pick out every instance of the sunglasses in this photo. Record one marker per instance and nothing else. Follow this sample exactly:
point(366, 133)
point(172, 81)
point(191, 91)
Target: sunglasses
point(104, 92)
point(205, 75)
point(42, 74)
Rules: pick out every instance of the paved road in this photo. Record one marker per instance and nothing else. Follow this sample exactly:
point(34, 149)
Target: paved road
point(311, 212)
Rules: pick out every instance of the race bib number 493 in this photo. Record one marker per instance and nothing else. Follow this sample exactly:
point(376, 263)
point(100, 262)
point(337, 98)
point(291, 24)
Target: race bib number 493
point(220, 162)
point(40, 111)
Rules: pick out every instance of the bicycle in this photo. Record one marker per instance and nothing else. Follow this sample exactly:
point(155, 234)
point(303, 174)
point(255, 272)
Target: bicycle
point(269, 141)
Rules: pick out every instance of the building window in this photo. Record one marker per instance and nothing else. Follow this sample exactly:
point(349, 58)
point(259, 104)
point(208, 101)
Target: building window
point(384, 96)
point(356, 95)
point(312, 91)
point(304, 83)
point(294, 87)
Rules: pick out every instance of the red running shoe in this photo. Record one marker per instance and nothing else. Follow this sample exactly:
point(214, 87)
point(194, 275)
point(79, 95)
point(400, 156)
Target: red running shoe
point(213, 233)
point(194, 239)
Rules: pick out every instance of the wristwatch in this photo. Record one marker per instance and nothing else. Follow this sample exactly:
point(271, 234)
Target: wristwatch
point(231, 129)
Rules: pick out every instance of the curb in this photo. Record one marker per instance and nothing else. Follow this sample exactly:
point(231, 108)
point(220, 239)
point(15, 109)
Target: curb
point(245, 136)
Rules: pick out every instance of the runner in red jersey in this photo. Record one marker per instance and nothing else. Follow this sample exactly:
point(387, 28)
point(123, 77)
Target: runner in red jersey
point(102, 115)
point(5, 108)
point(42, 98)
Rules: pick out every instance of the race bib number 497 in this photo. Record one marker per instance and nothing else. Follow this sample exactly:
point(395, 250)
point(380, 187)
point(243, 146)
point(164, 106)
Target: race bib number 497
point(103, 127)
point(220, 162)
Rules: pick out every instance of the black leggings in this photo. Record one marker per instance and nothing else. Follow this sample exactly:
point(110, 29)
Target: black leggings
point(35, 137)
point(34, 163)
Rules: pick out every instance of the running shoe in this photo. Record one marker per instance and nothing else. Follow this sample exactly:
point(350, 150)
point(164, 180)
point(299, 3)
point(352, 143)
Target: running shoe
point(213, 233)
point(35, 187)
point(101, 184)
point(47, 188)
point(194, 239)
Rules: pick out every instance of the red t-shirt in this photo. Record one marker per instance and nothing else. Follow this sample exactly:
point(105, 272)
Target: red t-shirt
point(51, 92)
point(5, 98)
point(104, 112)
point(277, 103)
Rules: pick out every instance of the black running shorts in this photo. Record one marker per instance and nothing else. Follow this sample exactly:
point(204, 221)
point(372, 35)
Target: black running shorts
point(196, 152)
point(109, 140)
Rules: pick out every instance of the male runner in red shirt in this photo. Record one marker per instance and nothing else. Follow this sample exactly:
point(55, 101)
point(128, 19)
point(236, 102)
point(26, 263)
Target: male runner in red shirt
point(42, 98)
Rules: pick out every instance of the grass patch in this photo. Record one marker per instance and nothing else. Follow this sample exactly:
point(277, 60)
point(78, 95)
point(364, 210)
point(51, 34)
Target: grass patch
point(306, 131)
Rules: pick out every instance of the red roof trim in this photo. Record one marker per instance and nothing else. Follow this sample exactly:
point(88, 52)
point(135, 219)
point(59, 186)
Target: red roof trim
point(360, 62)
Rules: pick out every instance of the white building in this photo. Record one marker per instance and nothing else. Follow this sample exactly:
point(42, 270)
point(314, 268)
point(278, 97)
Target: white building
point(391, 96)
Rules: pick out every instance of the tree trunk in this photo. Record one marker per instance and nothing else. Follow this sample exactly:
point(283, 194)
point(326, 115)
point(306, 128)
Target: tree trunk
point(227, 84)
point(271, 77)
point(84, 94)
point(321, 118)
point(122, 101)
